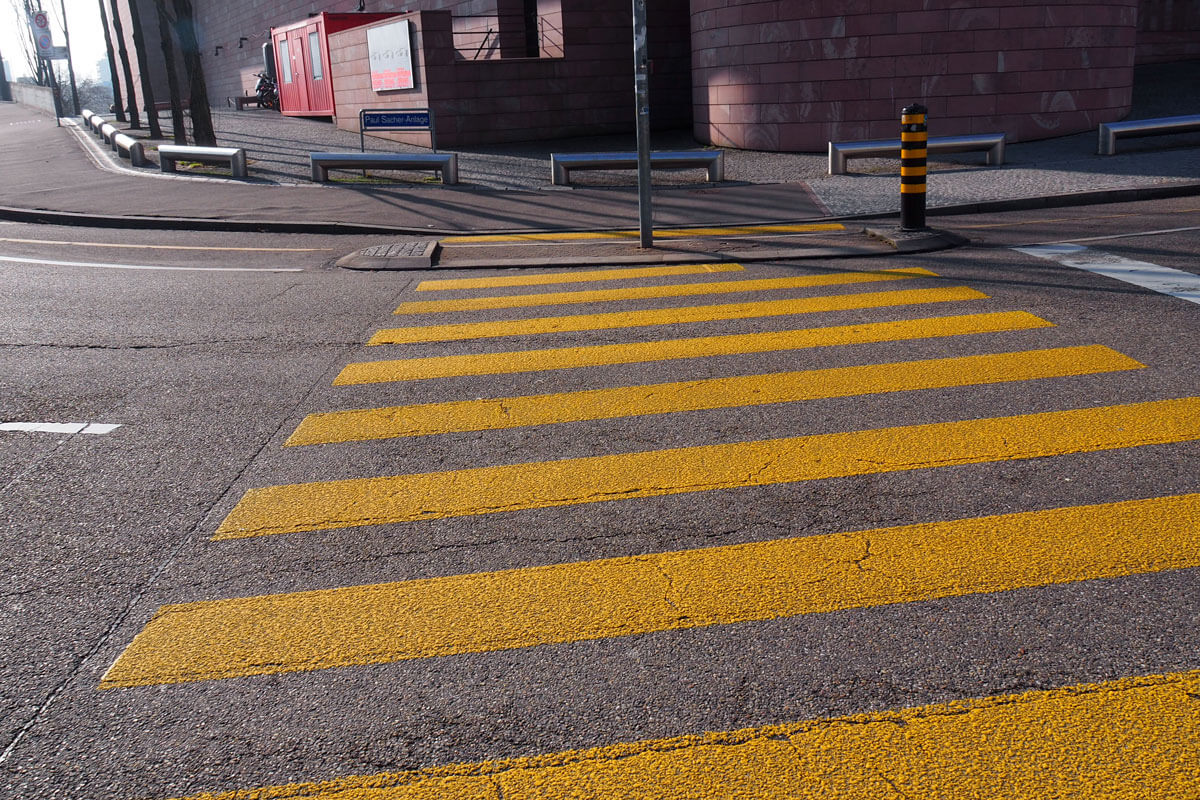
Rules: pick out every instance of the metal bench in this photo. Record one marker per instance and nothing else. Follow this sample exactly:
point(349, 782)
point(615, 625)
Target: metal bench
point(241, 102)
point(561, 164)
point(235, 157)
point(131, 147)
point(841, 152)
point(1160, 126)
point(444, 163)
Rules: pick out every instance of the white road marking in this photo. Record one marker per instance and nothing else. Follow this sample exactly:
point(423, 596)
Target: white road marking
point(94, 428)
point(1125, 235)
point(23, 260)
point(171, 246)
point(1175, 282)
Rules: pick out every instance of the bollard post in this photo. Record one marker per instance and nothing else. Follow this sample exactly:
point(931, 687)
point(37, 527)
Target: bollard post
point(914, 138)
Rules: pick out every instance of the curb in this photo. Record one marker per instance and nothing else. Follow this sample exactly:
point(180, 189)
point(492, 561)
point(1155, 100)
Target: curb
point(135, 222)
point(927, 241)
point(53, 217)
point(1085, 198)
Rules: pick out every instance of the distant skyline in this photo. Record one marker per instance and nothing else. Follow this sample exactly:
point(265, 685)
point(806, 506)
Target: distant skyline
point(87, 37)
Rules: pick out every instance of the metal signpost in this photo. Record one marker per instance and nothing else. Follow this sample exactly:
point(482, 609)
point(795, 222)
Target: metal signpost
point(408, 119)
point(641, 90)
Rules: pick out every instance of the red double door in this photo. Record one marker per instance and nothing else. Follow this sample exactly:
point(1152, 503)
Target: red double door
point(304, 81)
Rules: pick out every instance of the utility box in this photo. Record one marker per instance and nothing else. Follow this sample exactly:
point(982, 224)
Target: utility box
point(302, 61)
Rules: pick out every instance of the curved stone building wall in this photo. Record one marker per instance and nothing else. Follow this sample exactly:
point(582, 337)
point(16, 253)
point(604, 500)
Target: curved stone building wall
point(792, 76)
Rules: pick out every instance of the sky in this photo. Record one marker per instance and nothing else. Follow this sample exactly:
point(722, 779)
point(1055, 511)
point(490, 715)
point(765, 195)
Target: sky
point(87, 38)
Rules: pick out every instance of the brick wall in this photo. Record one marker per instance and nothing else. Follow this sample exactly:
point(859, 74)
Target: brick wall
point(1168, 30)
point(589, 90)
point(794, 75)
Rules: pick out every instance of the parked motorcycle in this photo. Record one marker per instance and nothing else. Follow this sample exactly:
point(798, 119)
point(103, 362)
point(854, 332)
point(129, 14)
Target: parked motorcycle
point(267, 91)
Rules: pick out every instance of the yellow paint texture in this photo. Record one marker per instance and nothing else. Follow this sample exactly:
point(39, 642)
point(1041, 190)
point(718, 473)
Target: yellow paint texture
point(484, 490)
point(411, 369)
point(573, 602)
point(1129, 739)
point(654, 292)
point(672, 316)
point(665, 398)
point(665, 233)
point(574, 276)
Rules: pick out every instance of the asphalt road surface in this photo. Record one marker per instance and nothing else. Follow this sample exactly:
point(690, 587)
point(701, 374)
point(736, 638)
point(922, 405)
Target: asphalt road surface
point(910, 527)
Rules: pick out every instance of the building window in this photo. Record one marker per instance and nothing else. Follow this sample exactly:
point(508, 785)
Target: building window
point(314, 52)
point(285, 61)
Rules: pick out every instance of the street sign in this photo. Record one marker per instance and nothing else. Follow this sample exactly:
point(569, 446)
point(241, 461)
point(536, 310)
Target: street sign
point(39, 24)
point(407, 119)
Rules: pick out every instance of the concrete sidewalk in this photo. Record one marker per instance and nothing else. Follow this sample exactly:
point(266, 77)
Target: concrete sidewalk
point(66, 175)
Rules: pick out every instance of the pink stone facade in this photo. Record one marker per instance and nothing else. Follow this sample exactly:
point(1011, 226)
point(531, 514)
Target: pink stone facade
point(1168, 30)
point(586, 91)
point(786, 75)
point(793, 76)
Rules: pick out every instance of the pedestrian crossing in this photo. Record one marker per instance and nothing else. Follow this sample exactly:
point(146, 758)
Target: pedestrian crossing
point(602, 355)
point(570, 602)
point(750, 390)
point(671, 316)
point(295, 508)
point(654, 292)
point(1117, 739)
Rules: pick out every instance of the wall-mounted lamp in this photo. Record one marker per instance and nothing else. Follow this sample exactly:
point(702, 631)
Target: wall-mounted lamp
point(242, 42)
point(218, 50)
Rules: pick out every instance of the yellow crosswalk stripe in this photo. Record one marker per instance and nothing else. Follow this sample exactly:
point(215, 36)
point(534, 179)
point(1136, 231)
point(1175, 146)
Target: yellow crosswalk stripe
point(512, 487)
point(562, 603)
point(1127, 739)
point(664, 233)
point(672, 316)
point(664, 398)
point(412, 369)
point(654, 292)
point(574, 276)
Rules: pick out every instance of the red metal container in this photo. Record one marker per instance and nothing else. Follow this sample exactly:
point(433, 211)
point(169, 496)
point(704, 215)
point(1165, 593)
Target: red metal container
point(302, 61)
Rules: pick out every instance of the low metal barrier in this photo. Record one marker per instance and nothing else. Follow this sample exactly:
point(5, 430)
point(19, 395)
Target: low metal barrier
point(841, 152)
point(446, 164)
point(561, 164)
point(1159, 126)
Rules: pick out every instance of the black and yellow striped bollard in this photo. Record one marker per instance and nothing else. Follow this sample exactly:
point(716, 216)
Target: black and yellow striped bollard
point(914, 139)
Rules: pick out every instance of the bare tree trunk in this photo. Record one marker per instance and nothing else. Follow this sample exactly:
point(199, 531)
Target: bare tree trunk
point(185, 25)
point(36, 65)
point(5, 93)
point(112, 64)
point(134, 120)
point(62, 4)
point(168, 49)
point(139, 46)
